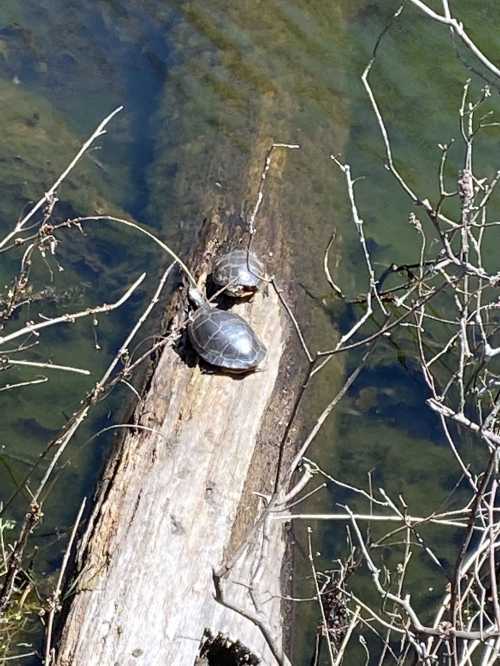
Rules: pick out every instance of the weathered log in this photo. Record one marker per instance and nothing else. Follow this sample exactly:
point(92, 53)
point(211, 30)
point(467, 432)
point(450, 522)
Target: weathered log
point(177, 501)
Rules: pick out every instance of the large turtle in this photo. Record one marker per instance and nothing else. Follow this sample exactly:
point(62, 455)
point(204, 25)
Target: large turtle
point(239, 271)
point(223, 339)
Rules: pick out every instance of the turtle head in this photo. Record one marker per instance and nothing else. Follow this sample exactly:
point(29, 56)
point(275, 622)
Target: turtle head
point(196, 297)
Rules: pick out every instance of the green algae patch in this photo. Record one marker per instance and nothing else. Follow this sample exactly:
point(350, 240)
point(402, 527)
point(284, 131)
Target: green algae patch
point(35, 148)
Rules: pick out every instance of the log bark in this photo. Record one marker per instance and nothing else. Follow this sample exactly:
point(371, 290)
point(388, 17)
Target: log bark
point(177, 502)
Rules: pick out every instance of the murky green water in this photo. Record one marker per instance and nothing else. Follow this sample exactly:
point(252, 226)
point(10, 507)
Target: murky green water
point(202, 82)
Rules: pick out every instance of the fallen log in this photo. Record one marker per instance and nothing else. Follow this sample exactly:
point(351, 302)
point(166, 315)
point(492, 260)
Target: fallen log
point(177, 501)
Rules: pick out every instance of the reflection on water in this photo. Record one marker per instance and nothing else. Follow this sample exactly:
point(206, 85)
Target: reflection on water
point(203, 83)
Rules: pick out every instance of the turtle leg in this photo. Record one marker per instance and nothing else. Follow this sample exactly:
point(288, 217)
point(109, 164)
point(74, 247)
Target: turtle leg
point(207, 369)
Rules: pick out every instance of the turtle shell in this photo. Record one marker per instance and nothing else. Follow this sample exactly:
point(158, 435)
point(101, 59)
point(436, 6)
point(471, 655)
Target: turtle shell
point(225, 340)
point(239, 271)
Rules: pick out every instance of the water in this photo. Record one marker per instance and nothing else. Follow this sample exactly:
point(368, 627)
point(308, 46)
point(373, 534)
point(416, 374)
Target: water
point(202, 84)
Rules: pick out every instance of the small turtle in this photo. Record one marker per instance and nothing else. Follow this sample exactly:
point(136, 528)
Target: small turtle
point(223, 338)
point(240, 272)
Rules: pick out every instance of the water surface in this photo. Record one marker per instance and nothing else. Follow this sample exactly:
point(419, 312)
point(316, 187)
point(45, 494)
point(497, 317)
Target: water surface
point(202, 83)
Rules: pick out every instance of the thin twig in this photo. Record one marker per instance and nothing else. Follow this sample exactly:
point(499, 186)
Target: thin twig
point(56, 596)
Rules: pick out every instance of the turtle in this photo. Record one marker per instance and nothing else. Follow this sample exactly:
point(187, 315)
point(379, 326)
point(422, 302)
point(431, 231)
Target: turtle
point(240, 272)
point(223, 339)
